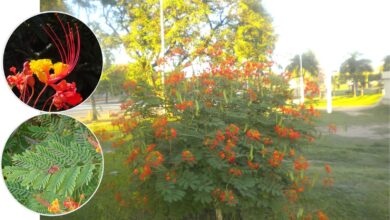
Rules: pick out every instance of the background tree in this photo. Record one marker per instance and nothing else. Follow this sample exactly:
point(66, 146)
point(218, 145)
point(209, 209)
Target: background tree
point(353, 69)
point(386, 64)
point(309, 65)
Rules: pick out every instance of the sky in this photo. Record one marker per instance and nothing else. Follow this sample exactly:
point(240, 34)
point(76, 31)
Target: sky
point(332, 29)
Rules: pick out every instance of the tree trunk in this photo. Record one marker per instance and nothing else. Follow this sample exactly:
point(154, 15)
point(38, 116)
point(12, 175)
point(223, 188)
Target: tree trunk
point(218, 214)
point(94, 109)
point(106, 97)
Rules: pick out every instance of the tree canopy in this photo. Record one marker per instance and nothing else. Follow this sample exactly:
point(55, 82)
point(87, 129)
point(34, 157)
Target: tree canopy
point(310, 64)
point(353, 69)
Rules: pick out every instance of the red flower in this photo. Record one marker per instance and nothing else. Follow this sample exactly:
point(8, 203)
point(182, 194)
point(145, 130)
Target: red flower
point(154, 158)
point(65, 95)
point(276, 159)
point(146, 171)
point(267, 141)
point(173, 134)
point(293, 134)
point(253, 134)
point(187, 156)
point(292, 152)
point(322, 216)
point(327, 168)
point(70, 204)
point(219, 136)
point(232, 131)
point(301, 163)
point(133, 155)
point(235, 171)
point(150, 147)
point(174, 78)
point(254, 166)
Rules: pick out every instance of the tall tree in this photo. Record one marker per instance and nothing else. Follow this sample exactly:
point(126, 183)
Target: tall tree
point(242, 28)
point(353, 68)
point(309, 65)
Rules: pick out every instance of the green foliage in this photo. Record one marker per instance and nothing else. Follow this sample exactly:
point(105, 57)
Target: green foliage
point(59, 163)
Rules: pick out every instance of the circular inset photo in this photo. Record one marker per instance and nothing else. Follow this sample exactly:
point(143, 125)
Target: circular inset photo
point(52, 61)
point(52, 164)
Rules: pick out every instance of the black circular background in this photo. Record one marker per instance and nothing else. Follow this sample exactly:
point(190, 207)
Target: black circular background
point(30, 42)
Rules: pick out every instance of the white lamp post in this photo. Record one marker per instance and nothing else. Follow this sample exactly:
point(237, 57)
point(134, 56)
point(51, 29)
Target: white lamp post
point(301, 83)
point(328, 84)
point(162, 41)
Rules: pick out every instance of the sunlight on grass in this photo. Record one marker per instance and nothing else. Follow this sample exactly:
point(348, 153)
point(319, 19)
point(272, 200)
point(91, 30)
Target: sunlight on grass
point(357, 101)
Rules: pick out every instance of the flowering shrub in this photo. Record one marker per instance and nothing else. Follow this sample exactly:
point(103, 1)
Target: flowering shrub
point(228, 137)
point(49, 74)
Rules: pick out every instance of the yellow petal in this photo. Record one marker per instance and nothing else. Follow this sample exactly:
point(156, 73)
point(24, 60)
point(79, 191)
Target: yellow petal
point(41, 68)
point(59, 68)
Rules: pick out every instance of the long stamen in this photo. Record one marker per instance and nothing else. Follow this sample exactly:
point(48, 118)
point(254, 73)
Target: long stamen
point(56, 44)
point(66, 34)
point(32, 94)
point(39, 95)
point(60, 43)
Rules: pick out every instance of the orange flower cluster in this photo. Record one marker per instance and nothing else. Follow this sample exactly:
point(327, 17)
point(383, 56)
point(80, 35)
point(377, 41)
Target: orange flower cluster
point(103, 134)
point(253, 134)
point(235, 171)
point(170, 176)
point(161, 130)
point(70, 204)
point(134, 153)
point(284, 132)
point(154, 158)
point(118, 198)
point(311, 89)
point(226, 196)
point(187, 155)
point(174, 78)
point(232, 131)
point(125, 105)
point(130, 84)
point(322, 216)
point(252, 68)
point(252, 95)
point(118, 143)
point(124, 124)
point(267, 141)
point(328, 169)
point(292, 152)
point(253, 166)
point(184, 105)
point(150, 147)
point(290, 111)
point(328, 180)
point(54, 207)
point(144, 172)
point(276, 159)
point(301, 163)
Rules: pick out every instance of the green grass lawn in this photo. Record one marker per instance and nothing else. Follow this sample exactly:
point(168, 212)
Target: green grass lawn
point(347, 101)
point(360, 167)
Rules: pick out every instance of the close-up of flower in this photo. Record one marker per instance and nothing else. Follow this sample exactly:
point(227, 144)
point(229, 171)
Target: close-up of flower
point(41, 80)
